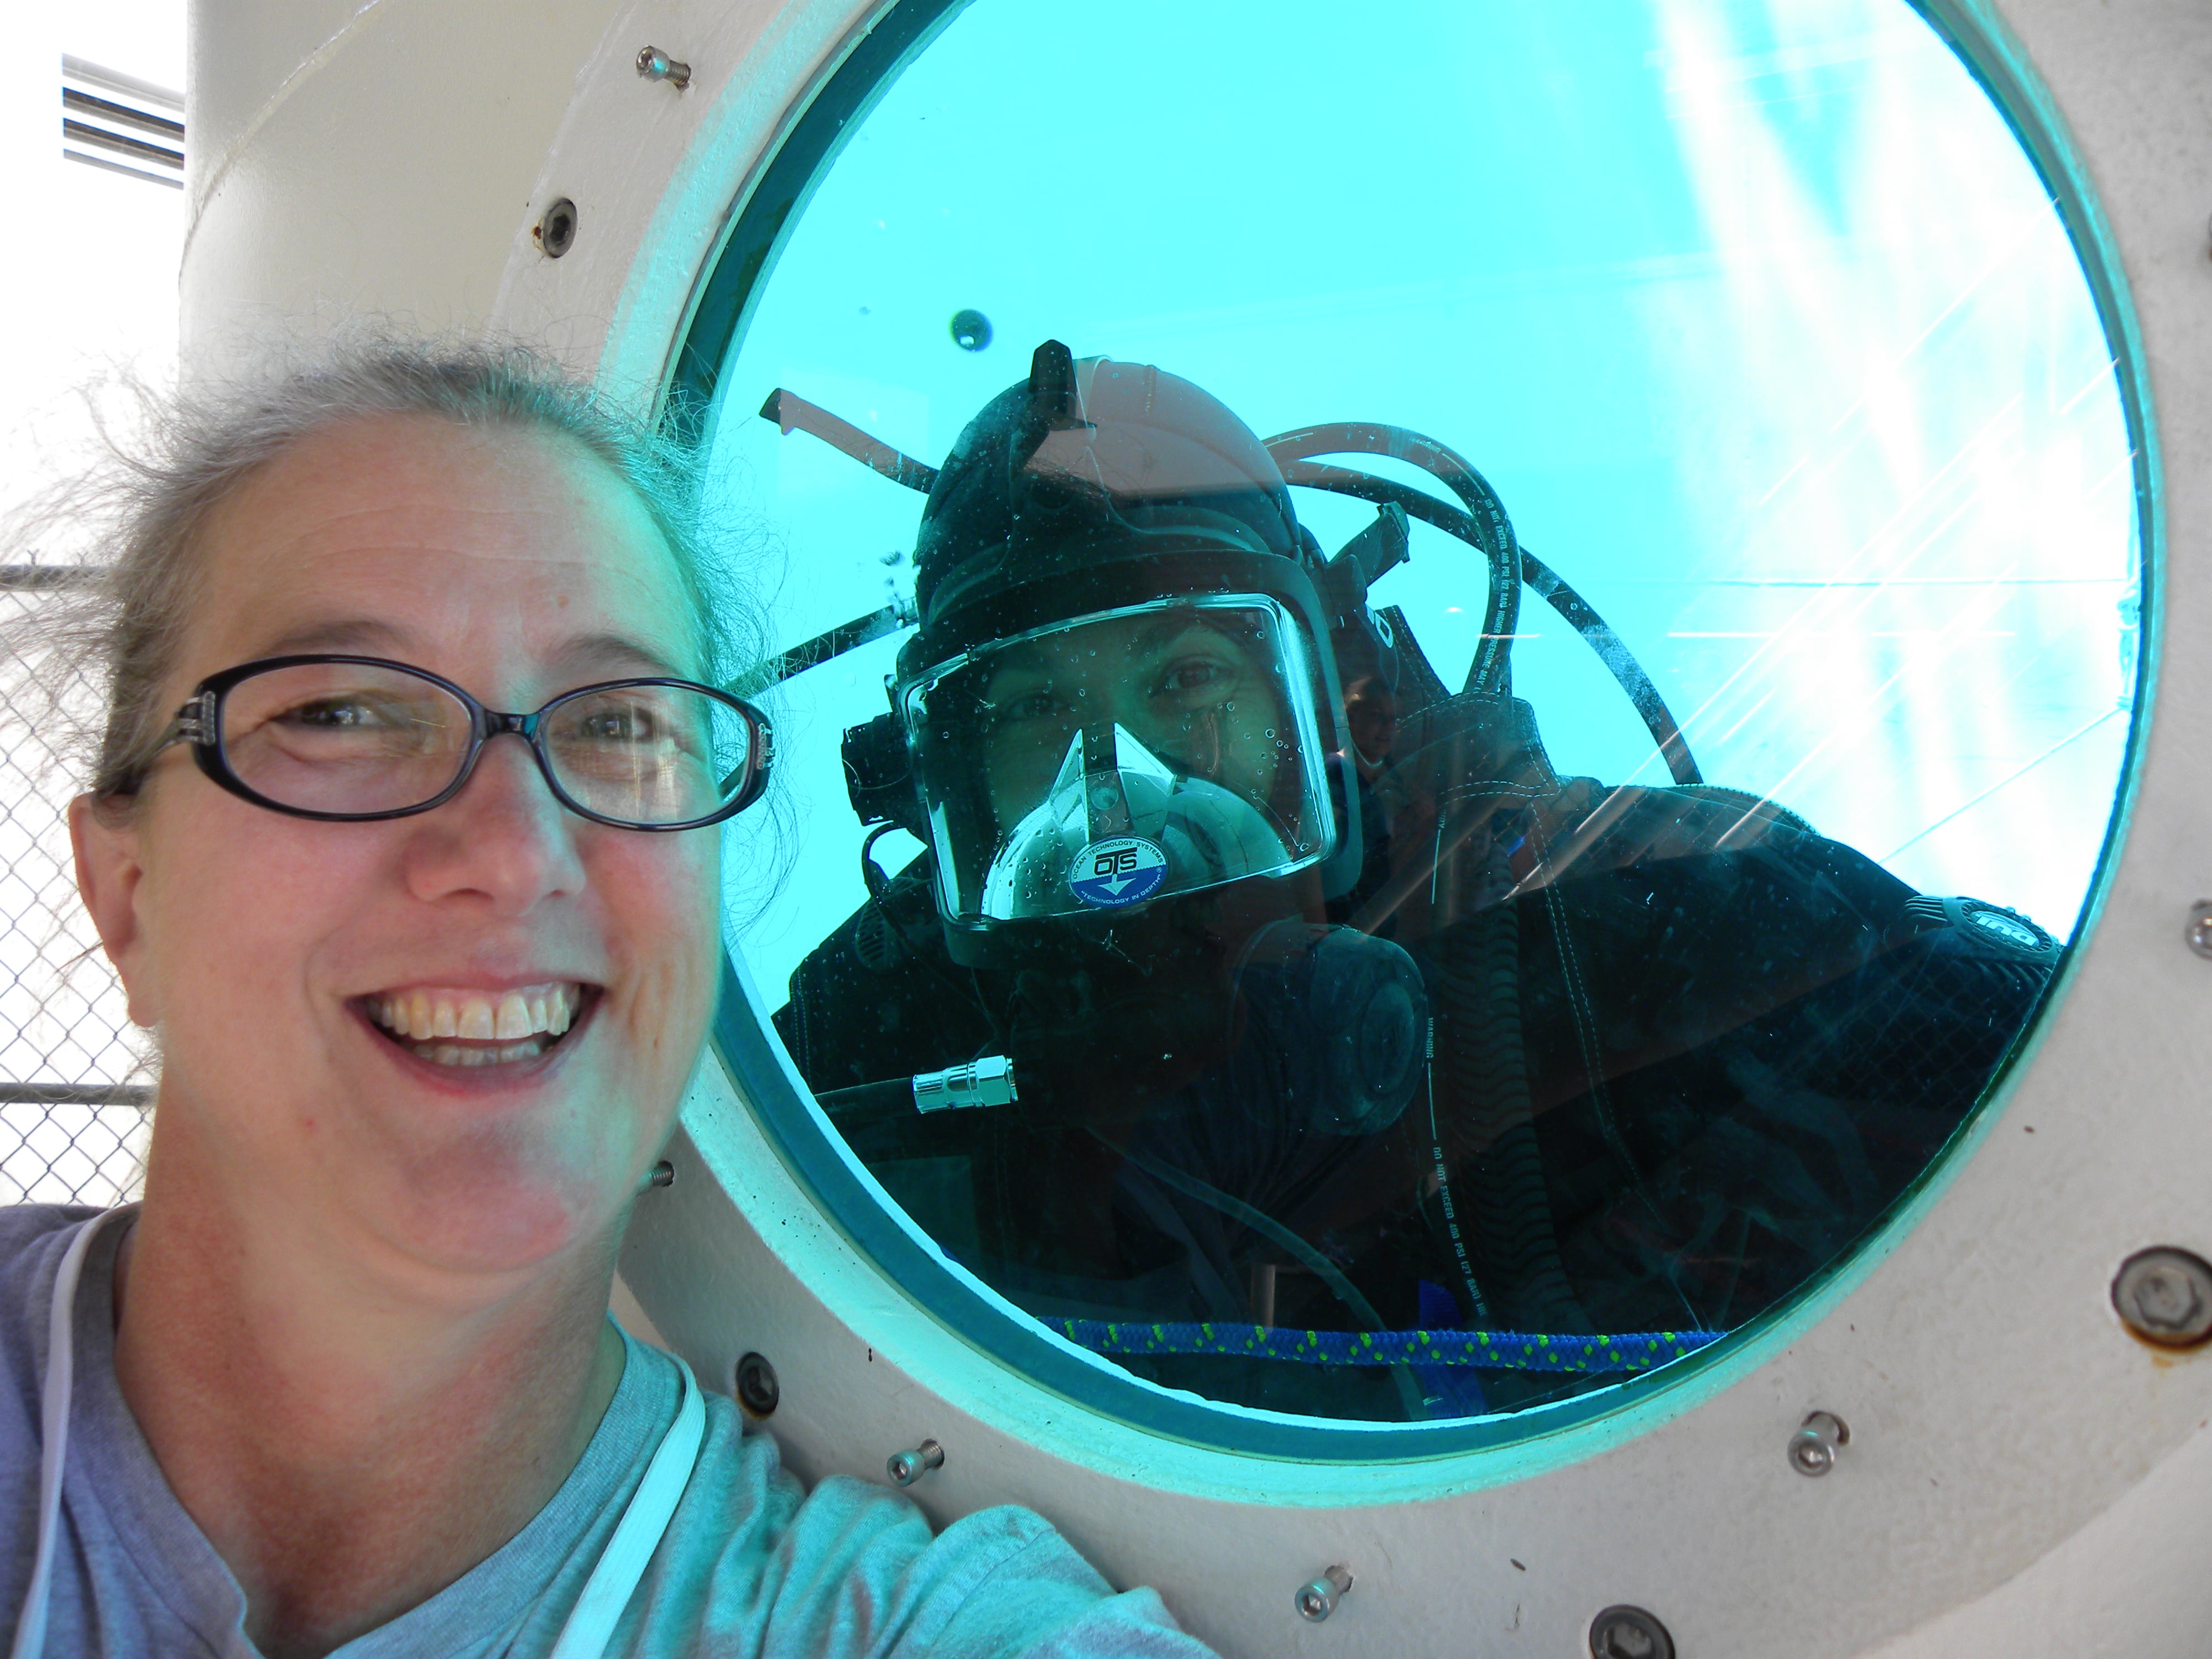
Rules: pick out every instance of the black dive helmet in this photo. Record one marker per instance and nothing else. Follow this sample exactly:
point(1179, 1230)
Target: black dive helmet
point(1126, 684)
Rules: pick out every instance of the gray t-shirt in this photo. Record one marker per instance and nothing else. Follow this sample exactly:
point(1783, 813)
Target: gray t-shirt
point(750, 1565)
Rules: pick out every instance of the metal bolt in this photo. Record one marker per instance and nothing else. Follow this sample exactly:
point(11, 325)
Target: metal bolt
point(1813, 1448)
point(662, 1174)
point(556, 231)
point(908, 1467)
point(2164, 1296)
point(758, 1391)
point(1626, 1632)
point(2200, 927)
point(1316, 1600)
point(655, 64)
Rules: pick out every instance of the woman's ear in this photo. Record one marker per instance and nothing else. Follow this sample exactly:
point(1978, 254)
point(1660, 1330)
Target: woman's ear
point(109, 872)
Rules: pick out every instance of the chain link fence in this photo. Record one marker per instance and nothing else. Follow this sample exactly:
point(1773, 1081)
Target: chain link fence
point(75, 1074)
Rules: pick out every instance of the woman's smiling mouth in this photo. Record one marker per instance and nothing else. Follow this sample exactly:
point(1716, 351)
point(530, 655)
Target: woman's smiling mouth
point(453, 1027)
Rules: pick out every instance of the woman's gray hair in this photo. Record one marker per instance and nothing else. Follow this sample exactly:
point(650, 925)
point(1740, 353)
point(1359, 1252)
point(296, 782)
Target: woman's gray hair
point(200, 448)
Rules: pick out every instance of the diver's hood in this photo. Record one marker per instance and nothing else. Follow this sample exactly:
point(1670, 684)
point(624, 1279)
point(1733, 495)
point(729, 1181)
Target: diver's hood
point(1085, 463)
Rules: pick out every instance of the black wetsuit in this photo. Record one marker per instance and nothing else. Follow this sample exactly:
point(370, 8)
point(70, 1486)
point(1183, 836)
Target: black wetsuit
point(1686, 1051)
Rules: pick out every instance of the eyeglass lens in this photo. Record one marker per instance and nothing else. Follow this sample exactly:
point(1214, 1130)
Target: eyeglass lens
point(352, 738)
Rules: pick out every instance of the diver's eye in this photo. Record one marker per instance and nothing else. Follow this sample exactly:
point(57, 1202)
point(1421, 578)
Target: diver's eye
point(1043, 703)
point(1193, 677)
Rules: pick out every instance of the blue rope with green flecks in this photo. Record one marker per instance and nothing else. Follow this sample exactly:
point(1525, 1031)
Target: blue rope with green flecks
point(1504, 1351)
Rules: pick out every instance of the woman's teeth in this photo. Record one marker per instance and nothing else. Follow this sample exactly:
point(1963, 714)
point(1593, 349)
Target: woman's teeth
point(523, 1022)
point(447, 1054)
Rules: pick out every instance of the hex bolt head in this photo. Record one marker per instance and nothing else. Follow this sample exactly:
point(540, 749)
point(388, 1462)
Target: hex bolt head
point(908, 1467)
point(1316, 1600)
point(1626, 1632)
point(2200, 927)
point(757, 1390)
point(556, 231)
point(2164, 1296)
point(1818, 1438)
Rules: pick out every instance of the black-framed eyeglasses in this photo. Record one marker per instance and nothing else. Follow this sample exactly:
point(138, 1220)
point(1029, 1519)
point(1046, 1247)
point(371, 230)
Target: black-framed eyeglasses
point(350, 738)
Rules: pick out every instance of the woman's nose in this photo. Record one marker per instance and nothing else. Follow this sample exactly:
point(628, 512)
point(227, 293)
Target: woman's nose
point(504, 835)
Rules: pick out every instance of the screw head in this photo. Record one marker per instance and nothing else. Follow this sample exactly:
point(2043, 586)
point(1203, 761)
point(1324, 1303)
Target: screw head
point(1810, 1454)
point(556, 231)
point(1814, 1448)
point(1316, 1600)
point(2164, 1296)
point(908, 1467)
point(2200, 927)
point(757, 1390)
point(1626, 1632)
point(655, 64)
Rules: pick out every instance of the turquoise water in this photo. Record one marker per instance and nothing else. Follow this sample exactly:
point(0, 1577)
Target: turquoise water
point(1756, 316)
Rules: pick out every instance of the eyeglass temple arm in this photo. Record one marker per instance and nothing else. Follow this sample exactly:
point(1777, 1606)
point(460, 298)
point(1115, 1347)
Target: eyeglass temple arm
point(764, 758)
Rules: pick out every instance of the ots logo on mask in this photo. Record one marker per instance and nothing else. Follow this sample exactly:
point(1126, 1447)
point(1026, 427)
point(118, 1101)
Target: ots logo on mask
point(1122, 870)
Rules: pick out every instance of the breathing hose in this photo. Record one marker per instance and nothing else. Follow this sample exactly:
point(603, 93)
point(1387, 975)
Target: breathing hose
point(1490, 674)
point(1573, 609)
point(1482, 1056)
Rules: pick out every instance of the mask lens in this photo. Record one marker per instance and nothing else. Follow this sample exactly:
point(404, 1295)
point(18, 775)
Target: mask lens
point(1199, 689)
point(344, 737)
point(1176, 739)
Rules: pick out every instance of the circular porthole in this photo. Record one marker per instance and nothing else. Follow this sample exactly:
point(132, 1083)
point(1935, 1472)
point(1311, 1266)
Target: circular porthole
point(1496, 731)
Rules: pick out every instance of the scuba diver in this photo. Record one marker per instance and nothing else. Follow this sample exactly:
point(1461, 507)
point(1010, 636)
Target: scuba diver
point(1287, 987)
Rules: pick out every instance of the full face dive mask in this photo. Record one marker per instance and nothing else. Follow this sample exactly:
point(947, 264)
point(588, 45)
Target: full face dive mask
point(1139, 752)
point(1122, 687)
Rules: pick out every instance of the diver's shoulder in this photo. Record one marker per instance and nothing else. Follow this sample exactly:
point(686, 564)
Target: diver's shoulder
point(1710, 828)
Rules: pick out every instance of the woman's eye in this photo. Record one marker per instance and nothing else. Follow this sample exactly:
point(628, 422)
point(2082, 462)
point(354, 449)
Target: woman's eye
point(338, 715)
point(617, 725)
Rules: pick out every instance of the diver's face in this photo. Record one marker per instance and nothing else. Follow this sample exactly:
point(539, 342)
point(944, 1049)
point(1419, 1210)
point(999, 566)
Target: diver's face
point(1194, 687)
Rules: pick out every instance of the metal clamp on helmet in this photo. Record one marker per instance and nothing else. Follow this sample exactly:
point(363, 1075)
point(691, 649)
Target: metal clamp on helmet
point(878, 776)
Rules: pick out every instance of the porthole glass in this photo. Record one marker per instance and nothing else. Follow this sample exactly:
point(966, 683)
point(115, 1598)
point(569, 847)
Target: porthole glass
point(1452, 676)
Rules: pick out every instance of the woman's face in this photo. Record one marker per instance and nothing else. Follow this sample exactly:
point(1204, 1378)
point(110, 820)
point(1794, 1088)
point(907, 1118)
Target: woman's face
point(276, 954)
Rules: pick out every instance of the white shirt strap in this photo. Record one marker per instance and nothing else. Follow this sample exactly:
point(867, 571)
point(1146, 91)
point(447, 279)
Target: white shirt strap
point(638, 1534)
point(54, 1397)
